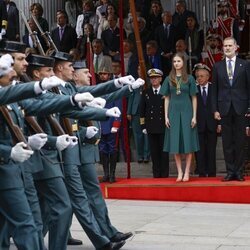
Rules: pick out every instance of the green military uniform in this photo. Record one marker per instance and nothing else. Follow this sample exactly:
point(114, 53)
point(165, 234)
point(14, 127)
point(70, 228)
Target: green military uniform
point(89, 155)
point(141, 140)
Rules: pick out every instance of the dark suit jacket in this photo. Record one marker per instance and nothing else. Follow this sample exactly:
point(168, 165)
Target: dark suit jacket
point(68, 41)
point(225, 95)
point(111, 40)
point(13, 23)
point(43, 43)
point(205, 116)
point(166, 44)
point(152, 109)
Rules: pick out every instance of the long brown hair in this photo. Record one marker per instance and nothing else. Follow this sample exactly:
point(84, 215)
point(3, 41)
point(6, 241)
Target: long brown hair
point(184, 74)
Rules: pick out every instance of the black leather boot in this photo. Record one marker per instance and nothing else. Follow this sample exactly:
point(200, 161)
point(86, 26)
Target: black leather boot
point(113, 160)
point(105, 165)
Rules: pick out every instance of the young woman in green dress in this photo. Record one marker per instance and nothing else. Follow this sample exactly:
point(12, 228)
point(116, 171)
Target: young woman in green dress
point(181, 137)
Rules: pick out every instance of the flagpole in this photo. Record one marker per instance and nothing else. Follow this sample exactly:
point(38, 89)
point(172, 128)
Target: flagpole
point(124, 100)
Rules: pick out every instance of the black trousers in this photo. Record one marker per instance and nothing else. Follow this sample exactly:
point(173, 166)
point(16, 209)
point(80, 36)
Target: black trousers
point(206, 156)
point(233, 141)
point(160, 159)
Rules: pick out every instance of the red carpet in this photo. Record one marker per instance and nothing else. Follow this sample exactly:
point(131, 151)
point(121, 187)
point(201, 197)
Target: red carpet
point(196, 190)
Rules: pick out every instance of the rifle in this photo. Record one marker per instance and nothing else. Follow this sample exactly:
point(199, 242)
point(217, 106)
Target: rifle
point(33, 34)
point(15, 131)
point(190, 54)
point(65, 122)
point(45, 35)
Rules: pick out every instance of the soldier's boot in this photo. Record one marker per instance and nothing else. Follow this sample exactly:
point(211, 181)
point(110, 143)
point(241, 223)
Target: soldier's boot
point(113, 160)
point(105, 164)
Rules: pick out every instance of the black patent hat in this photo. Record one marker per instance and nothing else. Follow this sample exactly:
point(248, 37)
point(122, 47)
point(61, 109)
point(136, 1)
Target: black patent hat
point(79, 65)
point(62, 56)
point(40, 61)
point(12, 47)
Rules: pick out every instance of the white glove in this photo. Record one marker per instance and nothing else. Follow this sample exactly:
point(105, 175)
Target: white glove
point(137, 84)
point(113, 112)
point(97, 103)
point(3, 32)
point(19, 153)
point(73, 141)
point(114, 130)
point(144, 131)
point(62, 142)
point(123, 81)
point(51, 82)
point(6, 60)
point(91, 131)
point(215, 24)
point(83, 97)
point(37, 141)
point(204, 55)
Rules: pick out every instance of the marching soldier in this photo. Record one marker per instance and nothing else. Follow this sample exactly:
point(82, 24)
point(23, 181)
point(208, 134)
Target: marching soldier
point(89, 148)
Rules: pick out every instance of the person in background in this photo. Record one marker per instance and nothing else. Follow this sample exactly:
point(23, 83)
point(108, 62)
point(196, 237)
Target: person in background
point(12, 31)
point(208, 127)
point(36, 9)
point(64, 36)
point(152, 120)
point(109, 134)
point(181, 137)
point(133, 115)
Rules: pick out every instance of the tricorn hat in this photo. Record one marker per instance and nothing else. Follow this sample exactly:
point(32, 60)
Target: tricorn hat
point(80, 64)
point(201, 66)
point(11, 46)
point(40, 61)
point(62, 56)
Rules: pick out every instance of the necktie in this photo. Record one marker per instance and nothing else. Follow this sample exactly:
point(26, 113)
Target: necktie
point(155, 91)
point(204, 95)
point(61, 33)
point(96, 64)
point(230, 71)
point(166, 30)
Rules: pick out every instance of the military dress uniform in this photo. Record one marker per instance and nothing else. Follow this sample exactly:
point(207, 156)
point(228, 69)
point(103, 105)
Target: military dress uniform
point(71, 159)
point(141, 140)
point(89, 155)
point(152, 118)
point(14, 206)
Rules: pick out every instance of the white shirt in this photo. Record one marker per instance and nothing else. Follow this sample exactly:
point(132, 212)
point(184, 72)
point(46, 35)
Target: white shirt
point(204, 87)
point(158, 89)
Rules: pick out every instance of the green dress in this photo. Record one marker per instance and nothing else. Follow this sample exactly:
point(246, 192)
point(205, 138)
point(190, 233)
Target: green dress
point(180, 138)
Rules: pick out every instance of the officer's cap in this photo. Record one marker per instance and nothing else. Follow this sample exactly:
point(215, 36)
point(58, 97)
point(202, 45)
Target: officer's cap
point(40, 61)
point(80, 65)
point(154, 72)
point(201, 66)
point(62, 56)
point(11, 46)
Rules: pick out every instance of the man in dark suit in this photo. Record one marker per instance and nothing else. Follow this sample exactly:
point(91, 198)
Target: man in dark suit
point(64, 36)
point(152, 121)
point(207, 125)
point(230, 104)
point(165, 37)
point(152, 57)
point(12, 32)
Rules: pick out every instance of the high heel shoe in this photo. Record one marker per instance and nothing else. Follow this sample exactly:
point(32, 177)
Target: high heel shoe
point(179, 178)
point(186, 178)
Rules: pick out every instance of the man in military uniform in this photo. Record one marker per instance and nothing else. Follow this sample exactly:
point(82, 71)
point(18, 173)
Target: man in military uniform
point(89, 148)
point(17, 226)
point(79, 200)
point(152, 120)
point(225, 25)
point(213, 52)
